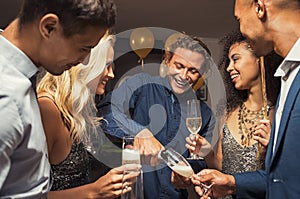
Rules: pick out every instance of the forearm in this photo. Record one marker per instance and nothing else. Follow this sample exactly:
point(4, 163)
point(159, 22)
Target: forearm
point(116, 123)
point(215, 156)
point(120, 125)
point(82, 192)
point(213, 161)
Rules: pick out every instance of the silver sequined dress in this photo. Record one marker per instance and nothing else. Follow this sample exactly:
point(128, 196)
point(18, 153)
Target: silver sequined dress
point(236, 158)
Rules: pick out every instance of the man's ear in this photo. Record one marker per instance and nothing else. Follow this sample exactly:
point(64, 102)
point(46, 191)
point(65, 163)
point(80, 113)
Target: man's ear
point(260, 9)
point(167, 58)
point(49, 24)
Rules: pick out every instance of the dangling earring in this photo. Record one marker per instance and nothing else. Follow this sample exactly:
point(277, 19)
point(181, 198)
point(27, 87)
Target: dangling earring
point(258, 62)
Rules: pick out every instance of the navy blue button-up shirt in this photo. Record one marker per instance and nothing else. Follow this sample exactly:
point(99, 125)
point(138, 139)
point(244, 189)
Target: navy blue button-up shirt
point(145, 101)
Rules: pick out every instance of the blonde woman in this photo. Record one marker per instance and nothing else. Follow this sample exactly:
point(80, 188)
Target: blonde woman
point(68, 115)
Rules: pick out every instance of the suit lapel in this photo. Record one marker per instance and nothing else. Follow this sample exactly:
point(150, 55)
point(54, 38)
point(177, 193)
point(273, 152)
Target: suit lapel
point(289, 103)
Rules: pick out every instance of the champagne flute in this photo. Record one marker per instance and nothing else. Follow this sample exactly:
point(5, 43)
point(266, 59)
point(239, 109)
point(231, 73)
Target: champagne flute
point(130, 152)
point(176, 162)
point(194, 121)
point(180, 165)
point(131, 156)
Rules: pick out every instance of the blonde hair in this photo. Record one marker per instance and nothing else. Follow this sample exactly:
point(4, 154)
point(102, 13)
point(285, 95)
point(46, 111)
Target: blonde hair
point(71, 94)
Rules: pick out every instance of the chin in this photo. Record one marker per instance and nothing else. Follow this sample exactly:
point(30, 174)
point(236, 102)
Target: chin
point(56, 73)
point(100, 91)
point(240, 87)
point(179, 91)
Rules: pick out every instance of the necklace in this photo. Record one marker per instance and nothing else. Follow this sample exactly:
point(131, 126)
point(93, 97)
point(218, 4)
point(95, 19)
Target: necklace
point(247, 121)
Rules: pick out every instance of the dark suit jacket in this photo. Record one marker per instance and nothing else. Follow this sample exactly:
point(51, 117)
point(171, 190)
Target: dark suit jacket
point(281, 179)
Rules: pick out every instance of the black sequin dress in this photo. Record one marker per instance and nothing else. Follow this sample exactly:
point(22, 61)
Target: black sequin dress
point(73, 171)
point(236, 158)
point(79, 168)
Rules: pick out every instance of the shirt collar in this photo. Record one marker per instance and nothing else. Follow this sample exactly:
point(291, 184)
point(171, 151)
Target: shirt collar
point(18, 59)
point(292, 57)
point(166, 82)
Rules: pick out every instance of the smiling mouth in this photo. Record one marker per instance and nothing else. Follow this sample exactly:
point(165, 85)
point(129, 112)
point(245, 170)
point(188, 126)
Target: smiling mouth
point(104, 82)
point(234, 76)
point(181, 84)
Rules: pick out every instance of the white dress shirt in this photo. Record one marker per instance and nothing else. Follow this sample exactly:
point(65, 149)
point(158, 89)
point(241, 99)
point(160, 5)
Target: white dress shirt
point(293, 56)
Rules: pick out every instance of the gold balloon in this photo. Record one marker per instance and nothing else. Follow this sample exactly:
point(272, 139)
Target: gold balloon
point(171, 39)
point(142, 41)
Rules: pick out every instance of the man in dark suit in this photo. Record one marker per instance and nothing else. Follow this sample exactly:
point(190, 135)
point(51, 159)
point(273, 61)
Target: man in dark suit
point(270, 24)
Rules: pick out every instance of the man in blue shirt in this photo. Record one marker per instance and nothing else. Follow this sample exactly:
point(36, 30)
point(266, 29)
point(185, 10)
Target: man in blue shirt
point(154, 109)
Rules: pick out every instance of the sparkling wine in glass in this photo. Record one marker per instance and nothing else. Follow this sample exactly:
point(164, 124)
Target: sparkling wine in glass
point(176, 162)
point(131, 156)
point(194, 121)
point(130, 152)
point(180, 165)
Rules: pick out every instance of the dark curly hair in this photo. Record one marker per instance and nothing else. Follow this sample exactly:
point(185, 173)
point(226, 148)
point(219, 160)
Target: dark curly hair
point(236, 97)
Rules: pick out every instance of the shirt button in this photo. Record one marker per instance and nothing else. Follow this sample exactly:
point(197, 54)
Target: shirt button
point(277, 180)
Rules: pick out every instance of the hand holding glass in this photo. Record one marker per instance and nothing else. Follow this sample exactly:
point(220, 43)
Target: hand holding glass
point(180, 165)
point(194, 121)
